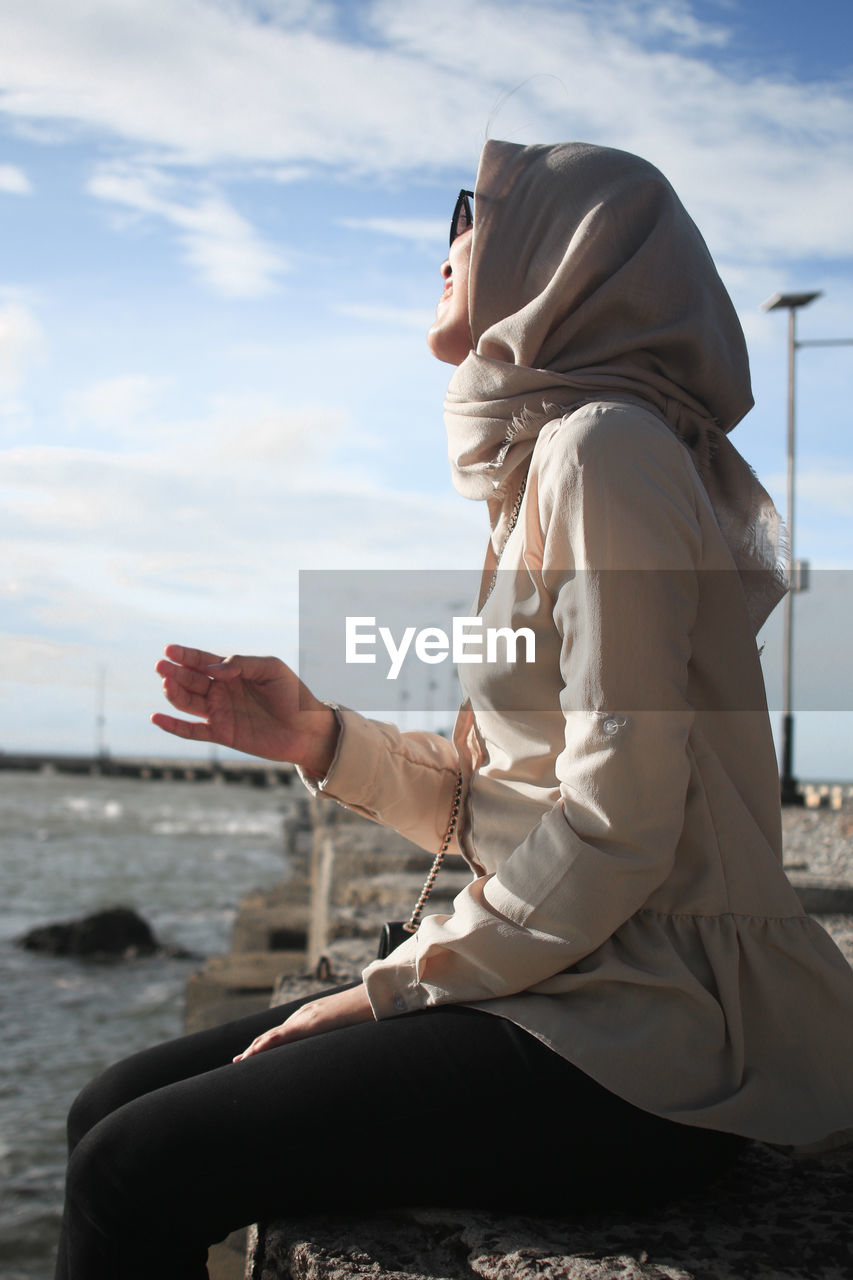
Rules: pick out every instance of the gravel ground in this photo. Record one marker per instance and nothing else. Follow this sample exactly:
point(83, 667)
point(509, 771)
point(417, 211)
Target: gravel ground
point(820, 842)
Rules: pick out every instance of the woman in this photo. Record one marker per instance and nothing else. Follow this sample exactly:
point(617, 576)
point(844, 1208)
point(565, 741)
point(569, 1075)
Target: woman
point(628, 981)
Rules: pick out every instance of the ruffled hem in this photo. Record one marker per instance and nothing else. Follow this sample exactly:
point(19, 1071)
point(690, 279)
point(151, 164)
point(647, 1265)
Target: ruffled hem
point(734, 1022)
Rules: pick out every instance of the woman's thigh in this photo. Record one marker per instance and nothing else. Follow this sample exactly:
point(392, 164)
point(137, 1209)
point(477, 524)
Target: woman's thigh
point(449, 1105)
point(361, 1115)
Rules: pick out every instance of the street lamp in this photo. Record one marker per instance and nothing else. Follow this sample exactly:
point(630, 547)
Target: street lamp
point(791, 302)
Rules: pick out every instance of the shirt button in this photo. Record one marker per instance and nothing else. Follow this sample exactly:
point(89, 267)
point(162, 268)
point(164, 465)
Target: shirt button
point(399, 1004)
point(613, 724)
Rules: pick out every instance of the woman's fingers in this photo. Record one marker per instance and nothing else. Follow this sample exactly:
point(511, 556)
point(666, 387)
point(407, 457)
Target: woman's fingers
point(183, 699)
point(249, 703)
point(306, 1021)
point(184, 677)
point(198, 659)
point(268, 1040)
point(212, 666)
point(209, 666)
point(186, 690)
point(197, 732)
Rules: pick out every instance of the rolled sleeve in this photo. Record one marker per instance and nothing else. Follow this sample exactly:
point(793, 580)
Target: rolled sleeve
point(403, 780)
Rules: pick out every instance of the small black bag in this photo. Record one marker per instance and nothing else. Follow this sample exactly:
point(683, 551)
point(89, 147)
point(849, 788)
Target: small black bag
point(396, 931)
point(393, 933)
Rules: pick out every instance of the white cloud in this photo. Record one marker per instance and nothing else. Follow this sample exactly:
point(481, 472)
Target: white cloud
point(21, 342)
point(205, 498)
point(764, 163)
point(418, 230)
point(254, 433)
point(673, 19)
point(199, 541)
point(119, 405)
point(226, 250)
point(35, 659)
point(22, 345)
point(208, 82)
point(13, 181)
point(229, 254)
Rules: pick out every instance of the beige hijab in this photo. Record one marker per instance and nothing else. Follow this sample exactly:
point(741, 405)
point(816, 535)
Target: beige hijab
point(589, 281)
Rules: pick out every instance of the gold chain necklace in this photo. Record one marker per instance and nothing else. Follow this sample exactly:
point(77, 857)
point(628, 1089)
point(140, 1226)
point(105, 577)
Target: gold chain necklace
point(513, 520)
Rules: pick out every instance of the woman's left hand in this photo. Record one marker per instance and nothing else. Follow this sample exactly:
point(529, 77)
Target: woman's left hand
point(326, 1013)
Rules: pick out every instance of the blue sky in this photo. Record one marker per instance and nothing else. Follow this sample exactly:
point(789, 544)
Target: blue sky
point(221, 223)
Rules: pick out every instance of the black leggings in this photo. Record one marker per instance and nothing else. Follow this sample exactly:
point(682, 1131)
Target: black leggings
point(175, 1147)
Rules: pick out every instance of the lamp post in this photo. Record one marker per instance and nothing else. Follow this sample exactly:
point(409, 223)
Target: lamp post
point(791, 302)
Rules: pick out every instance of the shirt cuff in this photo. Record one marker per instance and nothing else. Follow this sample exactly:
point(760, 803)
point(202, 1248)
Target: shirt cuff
point(392, 984)
point(315, 784)
point(358, 758)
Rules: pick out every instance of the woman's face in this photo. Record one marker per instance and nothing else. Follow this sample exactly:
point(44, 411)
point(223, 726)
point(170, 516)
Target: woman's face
point(449, 339)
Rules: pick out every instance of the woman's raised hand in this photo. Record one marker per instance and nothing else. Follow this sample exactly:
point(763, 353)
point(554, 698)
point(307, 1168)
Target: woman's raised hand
point(256, 705)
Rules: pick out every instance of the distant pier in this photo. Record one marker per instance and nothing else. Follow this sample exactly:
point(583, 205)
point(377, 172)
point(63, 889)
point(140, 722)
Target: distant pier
point(255, 773)
point(258, 773)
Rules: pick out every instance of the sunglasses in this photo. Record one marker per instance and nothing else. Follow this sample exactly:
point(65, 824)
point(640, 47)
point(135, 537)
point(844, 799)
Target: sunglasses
point(463, 214)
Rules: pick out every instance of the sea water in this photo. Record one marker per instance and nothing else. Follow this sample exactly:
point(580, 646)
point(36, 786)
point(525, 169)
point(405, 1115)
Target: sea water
point(181, 854)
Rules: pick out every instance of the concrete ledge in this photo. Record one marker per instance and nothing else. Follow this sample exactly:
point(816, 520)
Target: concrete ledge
point(777, 1216)
point(231, 986)
point(274, 919)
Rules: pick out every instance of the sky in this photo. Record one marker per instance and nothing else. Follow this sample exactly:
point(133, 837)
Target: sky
point(221, 227)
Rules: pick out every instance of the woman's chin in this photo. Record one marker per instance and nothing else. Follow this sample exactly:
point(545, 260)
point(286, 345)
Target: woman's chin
point(447, 347)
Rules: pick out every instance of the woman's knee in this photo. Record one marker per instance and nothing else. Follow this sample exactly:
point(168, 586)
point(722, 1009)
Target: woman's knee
point(97, 1191)
point(85, 1112)
point(102, 1096)
point(122, 1171)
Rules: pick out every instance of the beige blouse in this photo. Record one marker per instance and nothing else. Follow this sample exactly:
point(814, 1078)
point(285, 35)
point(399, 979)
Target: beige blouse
point(628, 905)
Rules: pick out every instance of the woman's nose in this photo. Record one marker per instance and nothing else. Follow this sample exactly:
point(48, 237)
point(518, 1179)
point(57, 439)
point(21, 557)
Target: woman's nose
point(446, 269)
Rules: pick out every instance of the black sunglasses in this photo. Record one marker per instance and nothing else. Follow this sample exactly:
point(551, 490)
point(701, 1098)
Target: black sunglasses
point(463, 214)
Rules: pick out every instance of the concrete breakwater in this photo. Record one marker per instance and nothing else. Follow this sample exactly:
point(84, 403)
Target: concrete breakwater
point(791, 1211)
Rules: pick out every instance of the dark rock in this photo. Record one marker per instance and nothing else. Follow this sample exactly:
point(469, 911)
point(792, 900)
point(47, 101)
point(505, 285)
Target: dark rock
point(117, 933)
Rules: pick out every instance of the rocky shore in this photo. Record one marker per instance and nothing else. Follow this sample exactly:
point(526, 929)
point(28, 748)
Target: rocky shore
point(781, 1215)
